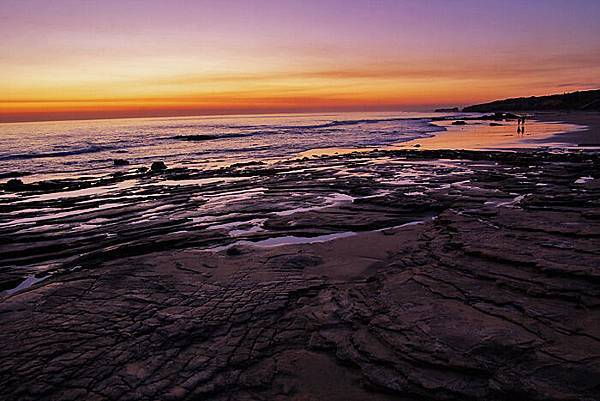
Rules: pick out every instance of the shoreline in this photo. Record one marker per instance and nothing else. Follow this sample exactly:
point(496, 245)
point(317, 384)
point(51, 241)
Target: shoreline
point(543, 130)
point(575, 131)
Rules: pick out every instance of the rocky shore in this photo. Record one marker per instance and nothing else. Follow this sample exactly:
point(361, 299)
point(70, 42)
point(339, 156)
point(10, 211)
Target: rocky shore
point(411, 274)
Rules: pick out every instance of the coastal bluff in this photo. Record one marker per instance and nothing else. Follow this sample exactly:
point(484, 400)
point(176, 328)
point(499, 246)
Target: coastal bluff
point(576, 101)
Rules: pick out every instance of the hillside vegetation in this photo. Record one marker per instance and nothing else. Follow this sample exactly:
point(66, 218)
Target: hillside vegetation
point(584, 100)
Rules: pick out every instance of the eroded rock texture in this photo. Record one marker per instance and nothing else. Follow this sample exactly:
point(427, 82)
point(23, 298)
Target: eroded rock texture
point(494, 294)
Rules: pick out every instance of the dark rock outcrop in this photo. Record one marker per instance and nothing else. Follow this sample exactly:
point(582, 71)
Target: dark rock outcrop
point(206, 137)
point(583, 100)
point(120, 162)
point(158, 166)
point(14, 184)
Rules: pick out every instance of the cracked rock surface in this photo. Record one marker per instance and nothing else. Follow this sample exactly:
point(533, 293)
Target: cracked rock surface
point(409, 276)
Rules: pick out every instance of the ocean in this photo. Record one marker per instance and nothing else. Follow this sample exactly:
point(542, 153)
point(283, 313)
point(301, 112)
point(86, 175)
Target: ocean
point(67, 149)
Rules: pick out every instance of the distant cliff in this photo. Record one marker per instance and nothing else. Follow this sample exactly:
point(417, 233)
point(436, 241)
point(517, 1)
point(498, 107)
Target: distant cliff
point(585, 100)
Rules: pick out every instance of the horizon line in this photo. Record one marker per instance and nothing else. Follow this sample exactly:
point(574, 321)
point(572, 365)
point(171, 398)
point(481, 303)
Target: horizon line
point(225, 114)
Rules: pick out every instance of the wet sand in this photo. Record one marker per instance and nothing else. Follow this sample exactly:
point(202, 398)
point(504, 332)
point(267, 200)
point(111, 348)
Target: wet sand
point(587, 137)
point(413, 273)
point(480, 135)
point(541, 130)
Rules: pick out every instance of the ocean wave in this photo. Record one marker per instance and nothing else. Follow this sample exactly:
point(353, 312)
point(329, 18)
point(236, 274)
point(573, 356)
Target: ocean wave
point(206, 137)
point(212, 137)
point(62, 153)
point(339, 123)
point(258, 148)
point(189, 126)
point(268, 127)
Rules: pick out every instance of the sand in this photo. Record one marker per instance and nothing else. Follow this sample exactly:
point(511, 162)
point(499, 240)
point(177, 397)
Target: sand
point(548, 129)
point(589, 136)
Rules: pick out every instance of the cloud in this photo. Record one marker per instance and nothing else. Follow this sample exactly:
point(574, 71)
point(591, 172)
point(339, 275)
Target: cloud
point(580, 85)
point(499, 66)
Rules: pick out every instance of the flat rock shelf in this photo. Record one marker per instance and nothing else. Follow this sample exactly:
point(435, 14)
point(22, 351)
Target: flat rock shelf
point(385, 275)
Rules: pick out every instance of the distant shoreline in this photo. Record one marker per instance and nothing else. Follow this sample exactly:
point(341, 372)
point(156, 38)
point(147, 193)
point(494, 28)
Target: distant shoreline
point(574, 101)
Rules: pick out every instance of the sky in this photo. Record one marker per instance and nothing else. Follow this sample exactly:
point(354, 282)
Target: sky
point(77, 59)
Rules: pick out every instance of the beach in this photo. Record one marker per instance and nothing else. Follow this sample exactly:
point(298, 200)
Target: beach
point(459, 262)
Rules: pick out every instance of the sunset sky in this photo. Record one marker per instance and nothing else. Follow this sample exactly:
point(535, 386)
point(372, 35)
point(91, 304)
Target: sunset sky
point(64, 59)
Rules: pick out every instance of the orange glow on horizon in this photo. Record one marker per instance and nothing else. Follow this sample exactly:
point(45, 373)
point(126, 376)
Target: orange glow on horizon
point(270, 92)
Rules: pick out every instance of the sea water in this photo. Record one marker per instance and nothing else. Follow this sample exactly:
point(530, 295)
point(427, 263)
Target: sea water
point(77, 148)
